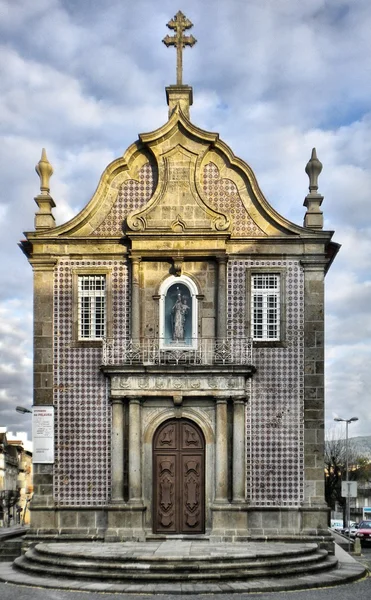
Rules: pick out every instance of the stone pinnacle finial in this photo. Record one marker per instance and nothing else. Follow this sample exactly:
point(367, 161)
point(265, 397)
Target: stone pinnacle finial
point(44, 218)
point(313, 170)
point(179, 24)
point(44, 171)
point(313, 218)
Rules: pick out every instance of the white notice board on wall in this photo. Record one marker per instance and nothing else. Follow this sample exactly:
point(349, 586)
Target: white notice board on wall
point(43, 434)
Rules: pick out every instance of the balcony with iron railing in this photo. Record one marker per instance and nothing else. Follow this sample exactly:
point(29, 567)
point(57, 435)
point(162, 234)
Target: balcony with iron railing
point(197, 351)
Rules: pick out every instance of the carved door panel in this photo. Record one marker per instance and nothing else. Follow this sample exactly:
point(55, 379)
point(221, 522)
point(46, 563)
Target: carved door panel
point(178, 478)
point(165, 468)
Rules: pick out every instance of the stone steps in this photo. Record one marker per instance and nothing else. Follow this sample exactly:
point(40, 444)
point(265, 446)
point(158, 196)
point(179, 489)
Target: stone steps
point(225, 562)
point(10, 549)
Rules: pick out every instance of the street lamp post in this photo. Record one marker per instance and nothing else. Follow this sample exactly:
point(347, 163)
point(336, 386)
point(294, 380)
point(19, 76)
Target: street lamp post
point(347, 499)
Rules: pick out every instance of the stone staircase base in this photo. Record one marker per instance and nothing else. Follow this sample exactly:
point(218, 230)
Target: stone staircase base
point(179, 567)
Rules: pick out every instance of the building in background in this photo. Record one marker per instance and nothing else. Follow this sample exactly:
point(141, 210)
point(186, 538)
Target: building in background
point(15, 477)
point(179, 347)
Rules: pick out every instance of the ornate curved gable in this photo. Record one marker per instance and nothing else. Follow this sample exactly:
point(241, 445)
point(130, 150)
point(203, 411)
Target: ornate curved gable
point(202, 187)
point(177, 179)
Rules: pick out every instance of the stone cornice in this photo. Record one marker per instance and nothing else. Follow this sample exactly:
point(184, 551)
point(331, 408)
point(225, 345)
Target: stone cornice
point(306, 235)
point(314, 263)
point(43, 263)
point(50, 238)
point(166, 370)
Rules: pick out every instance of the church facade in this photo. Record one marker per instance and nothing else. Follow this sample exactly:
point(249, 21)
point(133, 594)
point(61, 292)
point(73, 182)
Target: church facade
point(178, 335)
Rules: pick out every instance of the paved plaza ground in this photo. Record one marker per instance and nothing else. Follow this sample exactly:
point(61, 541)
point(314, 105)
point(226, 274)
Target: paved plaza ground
point(360, 590)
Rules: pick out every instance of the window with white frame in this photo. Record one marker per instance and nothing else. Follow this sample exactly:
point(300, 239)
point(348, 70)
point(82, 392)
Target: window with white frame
point(265, 306)
point(91, 307)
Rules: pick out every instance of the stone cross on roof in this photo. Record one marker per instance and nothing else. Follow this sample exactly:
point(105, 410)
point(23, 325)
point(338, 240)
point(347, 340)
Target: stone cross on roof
point(180, 23)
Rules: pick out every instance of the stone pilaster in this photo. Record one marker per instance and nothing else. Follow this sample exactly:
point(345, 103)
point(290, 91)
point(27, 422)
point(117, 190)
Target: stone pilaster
point(239, 454)
point(222, 298)
point(135, 299)
point(135, 450)
point(221, 451)
point(117, 450)
point(313, 382)
point(43, 270)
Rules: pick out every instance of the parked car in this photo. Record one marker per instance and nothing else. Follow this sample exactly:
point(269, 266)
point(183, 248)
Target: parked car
point(337, 525)
point(353, 530)
point(364, 532)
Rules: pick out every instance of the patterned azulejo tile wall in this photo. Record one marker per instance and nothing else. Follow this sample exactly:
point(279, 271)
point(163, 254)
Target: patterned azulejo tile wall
point(274, 423)
point(82, 411)
point(132, 195)
point(223, 196)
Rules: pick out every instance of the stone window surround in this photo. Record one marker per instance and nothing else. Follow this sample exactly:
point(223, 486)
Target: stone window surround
point(250, 271)
point(79, 343)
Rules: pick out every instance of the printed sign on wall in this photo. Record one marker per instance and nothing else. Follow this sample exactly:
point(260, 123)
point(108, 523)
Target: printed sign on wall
point(43, 434)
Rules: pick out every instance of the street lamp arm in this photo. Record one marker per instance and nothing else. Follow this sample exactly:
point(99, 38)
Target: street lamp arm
point(23, 410)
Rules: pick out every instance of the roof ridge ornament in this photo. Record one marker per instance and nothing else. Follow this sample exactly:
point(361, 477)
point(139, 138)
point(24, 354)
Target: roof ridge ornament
point(44, 218)
point(44, 171)
point(313, 170)
point(179, 24)
point(313, 218)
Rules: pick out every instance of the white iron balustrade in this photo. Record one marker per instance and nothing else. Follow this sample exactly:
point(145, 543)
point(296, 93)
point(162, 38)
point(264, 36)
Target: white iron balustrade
point(204, 351)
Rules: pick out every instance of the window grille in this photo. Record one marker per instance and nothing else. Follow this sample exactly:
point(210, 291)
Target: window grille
point(265, 307)
point(92, 307)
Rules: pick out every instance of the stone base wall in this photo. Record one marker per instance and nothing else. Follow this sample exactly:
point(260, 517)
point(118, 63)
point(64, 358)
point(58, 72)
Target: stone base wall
point(230, 522)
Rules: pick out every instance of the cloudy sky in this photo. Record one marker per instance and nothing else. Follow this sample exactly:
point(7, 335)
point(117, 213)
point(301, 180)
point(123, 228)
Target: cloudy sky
point(274, 77)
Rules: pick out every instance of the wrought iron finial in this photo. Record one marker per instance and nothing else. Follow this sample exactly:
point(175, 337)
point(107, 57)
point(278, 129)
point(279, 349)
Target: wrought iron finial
point(313, 169)
point(179, 24)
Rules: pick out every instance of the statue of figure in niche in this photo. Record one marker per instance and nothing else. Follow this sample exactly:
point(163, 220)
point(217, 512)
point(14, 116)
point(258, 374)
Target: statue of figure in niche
point(179, 314)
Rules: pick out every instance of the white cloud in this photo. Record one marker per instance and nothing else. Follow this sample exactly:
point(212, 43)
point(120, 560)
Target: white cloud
point(15, 361)
point(35, 95)
point(348, 383)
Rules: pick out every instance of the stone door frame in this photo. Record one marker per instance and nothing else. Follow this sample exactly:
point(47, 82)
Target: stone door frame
point(204, 417)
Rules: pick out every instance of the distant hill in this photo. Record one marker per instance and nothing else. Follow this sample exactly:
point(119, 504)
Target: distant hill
point(362, 445)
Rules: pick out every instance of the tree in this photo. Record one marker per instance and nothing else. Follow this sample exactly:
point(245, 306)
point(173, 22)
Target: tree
point(335, 469)
point(363, 469)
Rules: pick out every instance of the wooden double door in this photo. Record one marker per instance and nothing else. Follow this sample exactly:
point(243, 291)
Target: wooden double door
point(178, 478)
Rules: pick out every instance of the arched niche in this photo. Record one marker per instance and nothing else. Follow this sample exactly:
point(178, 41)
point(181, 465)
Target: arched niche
point(178, 313)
